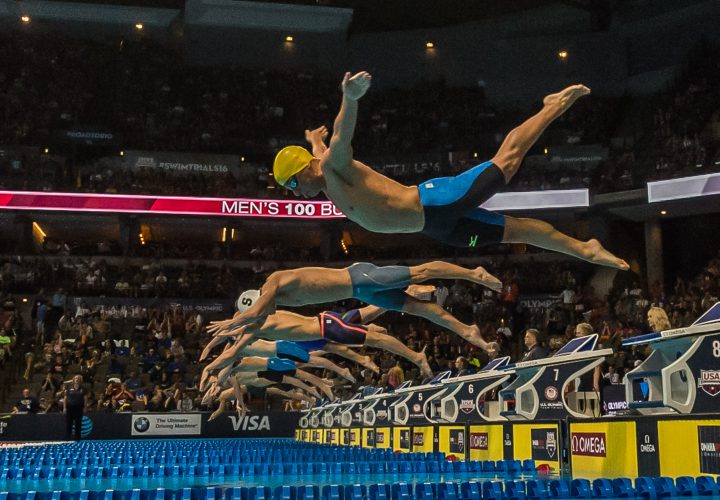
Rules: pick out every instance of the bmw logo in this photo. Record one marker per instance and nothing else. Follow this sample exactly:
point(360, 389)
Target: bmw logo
point(141, 424)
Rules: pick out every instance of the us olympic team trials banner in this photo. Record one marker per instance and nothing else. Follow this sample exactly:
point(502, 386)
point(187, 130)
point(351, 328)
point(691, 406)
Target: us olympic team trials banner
point(245, 207)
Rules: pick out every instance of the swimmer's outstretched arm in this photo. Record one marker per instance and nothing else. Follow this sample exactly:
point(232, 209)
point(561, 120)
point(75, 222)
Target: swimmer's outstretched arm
point(239, 391)
point(353, 87)
point(211, 345)
point(264, 307)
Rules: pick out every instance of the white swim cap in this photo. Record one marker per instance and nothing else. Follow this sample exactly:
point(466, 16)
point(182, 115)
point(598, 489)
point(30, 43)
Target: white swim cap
point(247, 300)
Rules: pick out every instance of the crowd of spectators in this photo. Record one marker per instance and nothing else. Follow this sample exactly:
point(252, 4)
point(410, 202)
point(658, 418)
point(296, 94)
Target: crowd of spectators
point(149, 100)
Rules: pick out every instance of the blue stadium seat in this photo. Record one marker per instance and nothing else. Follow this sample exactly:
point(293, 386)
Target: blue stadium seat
point(234, 494)
point(448, 491)
point(580, 488)
point(537, 490)
point(488, 466)
point(602, 488)
point(559, 488)
point(258, 493)
point(515, 490)
point(308, 492)
point(332, 492)
point(355, 492)
point(686, 486)
point(623, 488)
point(285, 493)
point(493, 490)
point(645, 488)
point(379, 492)
point(528, 465)
point(665, 487)
point(425, 491)
point(706, 486)
point(401, 491)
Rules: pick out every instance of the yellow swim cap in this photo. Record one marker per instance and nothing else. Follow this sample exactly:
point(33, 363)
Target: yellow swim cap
point(289, 161)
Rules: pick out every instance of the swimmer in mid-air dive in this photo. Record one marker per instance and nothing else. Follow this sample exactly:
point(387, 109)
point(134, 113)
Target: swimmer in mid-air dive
point(383, 287)
point(324, 332)
point(279, 349)
point(445, 208)
point(245, 382)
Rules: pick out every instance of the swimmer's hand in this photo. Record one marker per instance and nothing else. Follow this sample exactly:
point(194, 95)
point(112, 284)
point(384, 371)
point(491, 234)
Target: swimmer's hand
point(241, 409)
point(355, 86)
point(256, 314)
point(316, 135)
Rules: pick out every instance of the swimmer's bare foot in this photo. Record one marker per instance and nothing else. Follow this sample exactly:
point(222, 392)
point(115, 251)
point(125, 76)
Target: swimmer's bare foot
point(367, 362)
point(423, 364)
point(472, 335)
point(597, 254)
point(484, 278)
point(217, 413)
point(347, 375)
point(560, 102)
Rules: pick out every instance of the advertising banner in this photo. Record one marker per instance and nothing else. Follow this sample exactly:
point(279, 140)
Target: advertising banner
point(368, 437)
point(452, 441)
point(684, 187)
point(689, 447)
point(540, 442)
point(423, 438)
point(181, 162)
point(354, 437)
point(603, 449)
point(168, 205)
point(402, 439)
point(166, 424)
point(485, 442)
point(101, 425)
point(383, 437)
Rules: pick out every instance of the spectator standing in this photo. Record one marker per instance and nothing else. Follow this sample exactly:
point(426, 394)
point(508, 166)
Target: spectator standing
point(532, 344)
point(74, 406)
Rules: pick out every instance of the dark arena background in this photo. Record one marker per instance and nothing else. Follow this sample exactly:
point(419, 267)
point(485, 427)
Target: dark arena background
point(345, 249)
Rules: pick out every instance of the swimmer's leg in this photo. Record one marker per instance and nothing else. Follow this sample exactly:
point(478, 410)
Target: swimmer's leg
point(252, 364)
point(444, 270)
point(300, 385)
point(431, 311)
point(298, 396)
point(315, 381)
point(519, 141)
point(378, 338)
point(347, 353)
point(316, 361)
point(541, 234)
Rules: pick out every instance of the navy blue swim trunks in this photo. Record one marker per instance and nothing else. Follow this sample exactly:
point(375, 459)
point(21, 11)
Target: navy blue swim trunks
point(451, 207)
point(334, 328)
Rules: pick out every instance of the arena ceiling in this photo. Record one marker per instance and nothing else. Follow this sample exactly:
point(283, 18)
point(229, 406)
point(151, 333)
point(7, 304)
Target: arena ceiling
point(389, 15)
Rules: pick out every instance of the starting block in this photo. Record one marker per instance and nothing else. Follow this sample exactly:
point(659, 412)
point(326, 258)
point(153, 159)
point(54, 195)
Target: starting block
point(377, 410)
point(351, 414)
point(464, 399)
point(412, 408)
point(682, 371)
point(539, 389)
